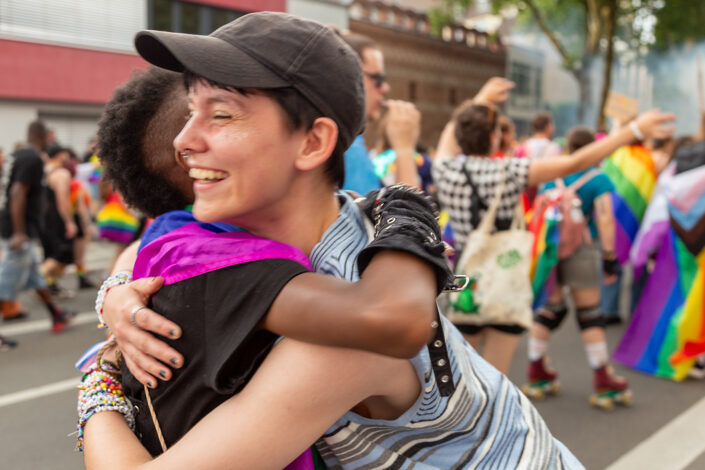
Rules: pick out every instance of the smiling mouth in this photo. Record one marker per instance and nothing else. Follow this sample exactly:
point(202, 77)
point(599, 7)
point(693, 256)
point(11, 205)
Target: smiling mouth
point(207, 176)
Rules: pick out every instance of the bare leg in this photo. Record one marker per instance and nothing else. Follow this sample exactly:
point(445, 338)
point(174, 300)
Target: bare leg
point(499, 349)
point(475, 340)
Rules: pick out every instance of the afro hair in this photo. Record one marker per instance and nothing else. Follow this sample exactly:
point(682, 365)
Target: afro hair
point(122, 134)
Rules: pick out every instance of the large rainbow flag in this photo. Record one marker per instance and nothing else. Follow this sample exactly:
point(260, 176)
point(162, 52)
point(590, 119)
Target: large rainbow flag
point(667, 330)
point(632, 172)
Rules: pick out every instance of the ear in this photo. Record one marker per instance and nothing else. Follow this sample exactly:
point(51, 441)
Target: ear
point(318, 144)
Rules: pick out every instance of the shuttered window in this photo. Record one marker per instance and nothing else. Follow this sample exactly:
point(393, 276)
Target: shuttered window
point(101, 24)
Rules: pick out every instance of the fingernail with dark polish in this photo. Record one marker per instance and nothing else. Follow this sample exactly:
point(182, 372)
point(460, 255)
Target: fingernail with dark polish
point(162, 374)
point(150, 384)
point(173, 333)
point(174, 361)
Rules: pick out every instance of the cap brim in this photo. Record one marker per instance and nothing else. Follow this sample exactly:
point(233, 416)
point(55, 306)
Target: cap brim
point(205, 56)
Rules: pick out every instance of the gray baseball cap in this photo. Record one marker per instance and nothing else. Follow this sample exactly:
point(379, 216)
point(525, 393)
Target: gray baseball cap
point(267, 50)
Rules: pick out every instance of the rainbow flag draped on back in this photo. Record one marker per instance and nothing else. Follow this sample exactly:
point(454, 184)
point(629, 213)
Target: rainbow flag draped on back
point(632, 172)
point(667, 330)
point(545, 226)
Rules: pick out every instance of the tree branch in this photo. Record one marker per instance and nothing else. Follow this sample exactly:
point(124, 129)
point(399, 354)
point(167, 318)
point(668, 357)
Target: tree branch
point(541, 22)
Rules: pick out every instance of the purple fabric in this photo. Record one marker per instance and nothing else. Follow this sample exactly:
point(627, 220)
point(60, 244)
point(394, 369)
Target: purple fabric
point(647, 313)
point(649, 242)
point(622, 244)
point(191, 250)
point(302, 462)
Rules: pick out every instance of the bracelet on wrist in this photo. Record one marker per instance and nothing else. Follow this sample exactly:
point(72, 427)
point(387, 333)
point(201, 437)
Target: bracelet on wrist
point(117, 279)
point(636, 131)
point(101, 390)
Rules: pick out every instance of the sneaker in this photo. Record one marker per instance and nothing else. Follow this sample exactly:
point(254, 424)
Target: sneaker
point(6, 344)
point(60, 292)
point(62, 319)
point(20, 316)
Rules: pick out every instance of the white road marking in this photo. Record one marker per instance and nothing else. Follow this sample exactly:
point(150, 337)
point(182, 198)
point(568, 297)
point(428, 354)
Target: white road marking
point(675, 446)
point(38, 392)
point(25, 327)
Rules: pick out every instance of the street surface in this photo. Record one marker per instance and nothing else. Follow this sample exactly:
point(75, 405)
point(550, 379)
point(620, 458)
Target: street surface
point(664, 430)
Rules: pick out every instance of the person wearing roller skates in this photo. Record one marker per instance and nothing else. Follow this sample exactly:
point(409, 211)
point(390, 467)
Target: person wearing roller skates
point(579, 272)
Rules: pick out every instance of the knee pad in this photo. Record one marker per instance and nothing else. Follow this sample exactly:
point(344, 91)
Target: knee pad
point(589, 317)
point(551, 315)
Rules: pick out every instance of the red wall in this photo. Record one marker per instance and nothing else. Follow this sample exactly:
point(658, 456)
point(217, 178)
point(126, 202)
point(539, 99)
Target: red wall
point(55, 73)
point(247, 5)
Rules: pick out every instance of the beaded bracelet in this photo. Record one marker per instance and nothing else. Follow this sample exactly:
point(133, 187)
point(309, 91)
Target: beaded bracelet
point(101, 390)
point(117, 279)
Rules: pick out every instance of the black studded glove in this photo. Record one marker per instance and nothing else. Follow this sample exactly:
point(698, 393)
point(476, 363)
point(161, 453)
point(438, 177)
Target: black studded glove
point(405, 220)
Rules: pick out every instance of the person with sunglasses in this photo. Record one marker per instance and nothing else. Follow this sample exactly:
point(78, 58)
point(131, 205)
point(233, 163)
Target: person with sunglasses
point(402, 128)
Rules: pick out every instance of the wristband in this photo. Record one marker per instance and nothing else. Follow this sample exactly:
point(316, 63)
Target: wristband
point(610, 266)
point(117, 279)
point(636, 131)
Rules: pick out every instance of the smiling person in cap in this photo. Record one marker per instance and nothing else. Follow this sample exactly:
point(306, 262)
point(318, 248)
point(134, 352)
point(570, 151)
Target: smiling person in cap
point(279, 183)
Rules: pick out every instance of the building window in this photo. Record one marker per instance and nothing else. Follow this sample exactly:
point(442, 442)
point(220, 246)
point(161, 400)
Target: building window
point(186, 17)
point(190, 18)
point(412, 91)
point(161, 15)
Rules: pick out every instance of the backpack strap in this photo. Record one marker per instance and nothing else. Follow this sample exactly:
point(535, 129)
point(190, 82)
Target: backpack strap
point(580, 182)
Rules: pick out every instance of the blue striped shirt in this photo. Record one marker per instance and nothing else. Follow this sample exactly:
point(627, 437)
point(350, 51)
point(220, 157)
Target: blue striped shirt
point(485, 423)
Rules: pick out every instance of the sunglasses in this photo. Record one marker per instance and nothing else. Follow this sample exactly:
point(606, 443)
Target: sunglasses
point(379, 78)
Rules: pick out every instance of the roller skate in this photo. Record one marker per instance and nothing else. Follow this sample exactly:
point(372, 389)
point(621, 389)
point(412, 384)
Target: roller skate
point(542, 380)
point(610, 389)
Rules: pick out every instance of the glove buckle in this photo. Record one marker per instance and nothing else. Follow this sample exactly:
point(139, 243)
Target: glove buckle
point(460, 282)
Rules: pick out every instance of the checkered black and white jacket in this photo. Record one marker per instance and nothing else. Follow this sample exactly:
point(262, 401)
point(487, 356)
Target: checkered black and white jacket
point(455, 192)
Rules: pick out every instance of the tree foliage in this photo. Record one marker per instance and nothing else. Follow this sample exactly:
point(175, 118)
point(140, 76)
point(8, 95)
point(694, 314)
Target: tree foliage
point(677, 22)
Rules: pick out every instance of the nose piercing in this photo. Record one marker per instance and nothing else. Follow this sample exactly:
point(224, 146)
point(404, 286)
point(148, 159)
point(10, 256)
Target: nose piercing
point(184, 155)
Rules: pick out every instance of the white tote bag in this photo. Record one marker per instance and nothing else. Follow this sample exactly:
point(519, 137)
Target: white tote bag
point(498, 265)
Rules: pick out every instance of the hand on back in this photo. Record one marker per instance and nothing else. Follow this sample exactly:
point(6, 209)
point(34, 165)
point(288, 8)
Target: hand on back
point(146, 356)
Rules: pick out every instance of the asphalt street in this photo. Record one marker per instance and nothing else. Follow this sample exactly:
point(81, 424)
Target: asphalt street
point(665, 429)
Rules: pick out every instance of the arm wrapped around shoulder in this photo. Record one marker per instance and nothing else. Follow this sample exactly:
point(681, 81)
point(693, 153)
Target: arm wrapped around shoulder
point(406, 220)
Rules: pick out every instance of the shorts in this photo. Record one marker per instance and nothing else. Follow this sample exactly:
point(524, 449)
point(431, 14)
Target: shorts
point(19, 270)
point(57, 247)
point(475, 329)
point(581, 270)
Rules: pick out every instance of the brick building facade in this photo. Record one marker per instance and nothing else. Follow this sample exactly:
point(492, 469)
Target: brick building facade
point(436, 73)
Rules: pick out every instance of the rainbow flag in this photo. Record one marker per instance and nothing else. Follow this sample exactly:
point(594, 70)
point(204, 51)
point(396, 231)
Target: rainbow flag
point(115, 223)
point(667, 330)
point(632, 172)
point(545, 226)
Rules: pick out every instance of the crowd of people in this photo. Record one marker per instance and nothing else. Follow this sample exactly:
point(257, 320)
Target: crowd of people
point(288, 277)
point(53, 200)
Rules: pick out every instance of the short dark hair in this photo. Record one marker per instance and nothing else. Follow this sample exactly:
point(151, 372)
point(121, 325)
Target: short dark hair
point(298, 113)
point(541, 121)
point(122, 134)
point(37, 132)
point(578, 137)
point(473, 128)
point(357, 42)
